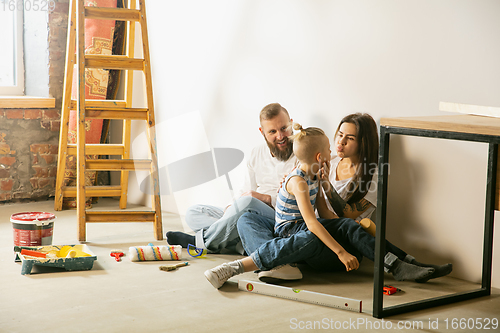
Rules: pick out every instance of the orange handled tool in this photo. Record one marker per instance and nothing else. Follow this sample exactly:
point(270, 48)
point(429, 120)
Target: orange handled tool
point(117, 254)
point(33, 253)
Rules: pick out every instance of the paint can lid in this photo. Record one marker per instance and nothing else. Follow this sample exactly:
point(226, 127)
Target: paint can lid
point(30, 217)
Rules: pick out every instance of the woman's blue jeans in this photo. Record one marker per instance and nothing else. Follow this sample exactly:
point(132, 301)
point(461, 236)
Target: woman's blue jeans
point(301, 245)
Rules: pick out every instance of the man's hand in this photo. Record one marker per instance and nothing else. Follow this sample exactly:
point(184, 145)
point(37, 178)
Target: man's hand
point(350, 262)
point(284, 177)
point(265, 198)
point(281, 182)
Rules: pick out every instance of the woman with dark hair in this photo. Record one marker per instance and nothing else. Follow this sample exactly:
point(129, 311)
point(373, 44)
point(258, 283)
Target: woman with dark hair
point(350, 178)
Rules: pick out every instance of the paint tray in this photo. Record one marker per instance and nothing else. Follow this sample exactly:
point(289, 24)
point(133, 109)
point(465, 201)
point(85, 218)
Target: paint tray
point(70, 264)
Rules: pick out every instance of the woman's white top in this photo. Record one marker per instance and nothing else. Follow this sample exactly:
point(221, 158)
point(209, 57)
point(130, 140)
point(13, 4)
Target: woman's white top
point(341, 186)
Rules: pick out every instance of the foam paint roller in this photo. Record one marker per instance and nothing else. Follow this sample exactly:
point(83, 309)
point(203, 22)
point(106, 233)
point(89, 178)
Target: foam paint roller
point(71, 252)
point(151, 252)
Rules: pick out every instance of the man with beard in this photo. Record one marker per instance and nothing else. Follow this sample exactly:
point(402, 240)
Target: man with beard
point(216, 228)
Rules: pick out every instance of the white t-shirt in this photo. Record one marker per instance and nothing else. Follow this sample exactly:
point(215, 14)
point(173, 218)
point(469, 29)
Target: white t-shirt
point(341, 187)
point(265, 172)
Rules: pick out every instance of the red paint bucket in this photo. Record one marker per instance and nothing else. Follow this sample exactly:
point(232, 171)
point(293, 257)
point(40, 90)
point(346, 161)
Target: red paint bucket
point(33, 228)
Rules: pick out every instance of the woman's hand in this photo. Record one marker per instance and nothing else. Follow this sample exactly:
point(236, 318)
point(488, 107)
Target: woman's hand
point(324, 175)
point(350, 262)
point(325, 170)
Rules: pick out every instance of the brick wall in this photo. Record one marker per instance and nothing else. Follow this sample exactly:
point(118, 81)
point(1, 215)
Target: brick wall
point(29, 137)
point(28, 153)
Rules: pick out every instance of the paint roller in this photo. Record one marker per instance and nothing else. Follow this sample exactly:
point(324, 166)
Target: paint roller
point(152, 252)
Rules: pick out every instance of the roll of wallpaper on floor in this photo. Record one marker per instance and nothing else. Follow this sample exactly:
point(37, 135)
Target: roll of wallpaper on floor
point(152, 252)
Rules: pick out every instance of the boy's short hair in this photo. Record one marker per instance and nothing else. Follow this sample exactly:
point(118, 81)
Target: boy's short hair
point(272, 110)
point(307, 142)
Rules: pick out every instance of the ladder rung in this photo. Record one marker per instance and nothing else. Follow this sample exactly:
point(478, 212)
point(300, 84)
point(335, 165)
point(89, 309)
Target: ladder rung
point(93, 191)
point(122, 165)
point(105, 13)
point(96, 103)
point(117, 113)
point(119, 216)
point(99, 149)
point(113, 62)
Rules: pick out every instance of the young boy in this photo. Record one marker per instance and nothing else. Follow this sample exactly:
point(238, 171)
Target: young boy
point(296, 224)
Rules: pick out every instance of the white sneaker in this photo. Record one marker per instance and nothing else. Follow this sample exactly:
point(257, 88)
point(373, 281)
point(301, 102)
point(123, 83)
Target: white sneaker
point(281, 273)
point(217, 276)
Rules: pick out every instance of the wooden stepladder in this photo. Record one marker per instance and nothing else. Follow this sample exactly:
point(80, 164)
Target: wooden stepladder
point(107, 109)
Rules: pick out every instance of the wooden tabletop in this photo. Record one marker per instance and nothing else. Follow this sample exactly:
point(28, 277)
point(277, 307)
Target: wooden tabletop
point(449, 123)
point(453, 123)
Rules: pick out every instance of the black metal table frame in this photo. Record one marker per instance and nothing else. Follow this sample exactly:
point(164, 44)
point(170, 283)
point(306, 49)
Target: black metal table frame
point(385, 131)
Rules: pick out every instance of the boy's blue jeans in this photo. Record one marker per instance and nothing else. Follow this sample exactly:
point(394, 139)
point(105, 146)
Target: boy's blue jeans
point(300, 245)
point(216, 230)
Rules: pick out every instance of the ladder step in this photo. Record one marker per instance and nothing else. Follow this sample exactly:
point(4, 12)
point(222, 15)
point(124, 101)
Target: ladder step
point(96, 103)
point(113, 62)
point(119, 216)
point(94, 191)
point(121, 165)
point(99, 149)
point(120, 14)
point(117, 113)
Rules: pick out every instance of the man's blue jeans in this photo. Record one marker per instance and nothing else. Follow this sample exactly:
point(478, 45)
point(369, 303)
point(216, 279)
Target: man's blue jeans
point(300, 245)
point(216, 230)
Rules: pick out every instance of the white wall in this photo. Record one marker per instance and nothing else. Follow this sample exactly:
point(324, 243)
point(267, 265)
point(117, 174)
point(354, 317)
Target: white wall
point(217, 63)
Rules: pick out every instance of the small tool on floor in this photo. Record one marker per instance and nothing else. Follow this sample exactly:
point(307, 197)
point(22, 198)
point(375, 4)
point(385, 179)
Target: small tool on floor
point(195, 252)
point(389, 290)
point(173, 267)
point(117, 254)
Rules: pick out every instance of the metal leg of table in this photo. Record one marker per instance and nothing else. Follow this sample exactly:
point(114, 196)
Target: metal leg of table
point(378, 308)
point(489, 216)
point(383, 169)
